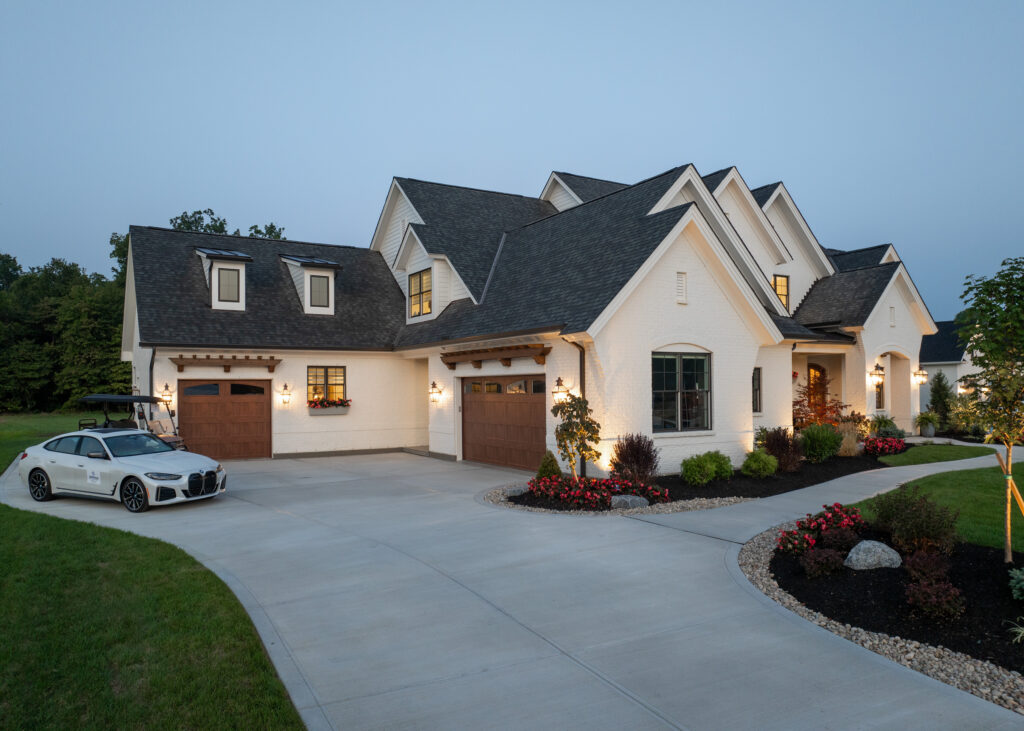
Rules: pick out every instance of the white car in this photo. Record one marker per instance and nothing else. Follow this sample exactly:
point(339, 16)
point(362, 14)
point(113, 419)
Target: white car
point(129, 465)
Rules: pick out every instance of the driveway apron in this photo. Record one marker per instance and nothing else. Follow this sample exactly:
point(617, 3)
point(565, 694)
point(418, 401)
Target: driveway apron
point(390, 596)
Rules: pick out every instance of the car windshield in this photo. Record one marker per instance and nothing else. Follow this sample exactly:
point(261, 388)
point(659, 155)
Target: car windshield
point(132, 445)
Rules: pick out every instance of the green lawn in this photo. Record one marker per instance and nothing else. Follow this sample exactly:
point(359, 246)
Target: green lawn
point(980, 496)
point(924, 453)
point(18, 431)
point(104, 629)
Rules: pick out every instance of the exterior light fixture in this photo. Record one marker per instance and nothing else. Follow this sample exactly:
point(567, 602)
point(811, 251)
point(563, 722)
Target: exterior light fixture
point(435, 392)
point(877, 376)
point(560, 391)
point(166, 395)
point(286, 395)
point(920, 376)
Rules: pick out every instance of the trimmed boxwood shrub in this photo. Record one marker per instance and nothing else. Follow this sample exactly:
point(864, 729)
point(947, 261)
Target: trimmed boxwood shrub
point(721, 463)
point(820, 442)
point(548, 466)
point(697, 470)
point(759, 464)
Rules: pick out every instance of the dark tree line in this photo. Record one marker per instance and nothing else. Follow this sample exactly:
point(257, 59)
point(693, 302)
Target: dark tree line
point(60, 327)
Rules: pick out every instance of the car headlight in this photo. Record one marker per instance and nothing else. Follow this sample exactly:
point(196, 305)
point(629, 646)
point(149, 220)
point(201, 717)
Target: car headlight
point(163, 476)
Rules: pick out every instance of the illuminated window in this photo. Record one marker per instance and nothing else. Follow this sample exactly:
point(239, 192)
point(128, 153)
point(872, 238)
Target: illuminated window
point(780, 283)
point(419, 293)
point(325, 382)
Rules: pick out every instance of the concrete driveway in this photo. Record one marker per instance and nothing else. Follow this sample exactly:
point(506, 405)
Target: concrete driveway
point(390, 596)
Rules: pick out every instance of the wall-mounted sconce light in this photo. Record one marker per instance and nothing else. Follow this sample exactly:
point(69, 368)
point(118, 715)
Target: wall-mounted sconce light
point(286, 395)
point(560, 391)
point(877, 376)
point(166, 395)
point(920, 376)
point(435, 392)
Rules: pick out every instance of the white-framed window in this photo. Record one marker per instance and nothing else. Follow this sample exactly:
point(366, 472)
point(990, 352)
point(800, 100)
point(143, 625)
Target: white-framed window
point(420, 293)
point(318, 291)
point(227, 286)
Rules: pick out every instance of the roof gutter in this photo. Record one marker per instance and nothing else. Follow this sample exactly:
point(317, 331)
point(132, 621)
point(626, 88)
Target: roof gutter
point(583, 388)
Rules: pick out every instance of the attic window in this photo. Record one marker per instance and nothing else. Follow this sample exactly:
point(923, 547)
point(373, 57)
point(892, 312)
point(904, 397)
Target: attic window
point(319, 292)
point(780, 283)
point(314, 282)
point(420, 293)
point(227, 285)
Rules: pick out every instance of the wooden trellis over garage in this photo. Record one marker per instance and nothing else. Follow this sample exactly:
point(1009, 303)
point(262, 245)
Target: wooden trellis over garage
point(227, 361)
point(504, 355)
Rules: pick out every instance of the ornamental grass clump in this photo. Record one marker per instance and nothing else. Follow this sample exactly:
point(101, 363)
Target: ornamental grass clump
point(820, 442)
point(635, 459)
point(759, 464)
point(785, 447)
point(850, 444)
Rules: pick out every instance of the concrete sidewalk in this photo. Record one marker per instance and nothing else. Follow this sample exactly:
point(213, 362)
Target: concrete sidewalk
point(388, 596)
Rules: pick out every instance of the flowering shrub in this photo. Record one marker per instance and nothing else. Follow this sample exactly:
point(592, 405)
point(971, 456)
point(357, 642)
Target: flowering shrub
point(587, 493)
point(327, 403)
point(810, 530)
point(880, 446)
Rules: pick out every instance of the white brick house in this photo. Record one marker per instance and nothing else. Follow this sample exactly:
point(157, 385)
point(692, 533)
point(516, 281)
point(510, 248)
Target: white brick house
point(685, 307)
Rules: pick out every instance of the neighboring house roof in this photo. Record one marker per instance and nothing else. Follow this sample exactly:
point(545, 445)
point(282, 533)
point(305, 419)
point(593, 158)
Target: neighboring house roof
point(466, 224)
point(847, 298)
point(173, 297)
point(845, 261)
point(587, 189)
point(944, 346)
point(561, 272)
point(762, 194)
point(713, 180)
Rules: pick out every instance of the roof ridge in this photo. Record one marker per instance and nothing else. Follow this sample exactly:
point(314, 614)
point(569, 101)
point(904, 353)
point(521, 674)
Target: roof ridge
point(589, 177)
point(250, 238)
point(469, 187)
point(869, 266)
point(865, 248)
point(766, 185)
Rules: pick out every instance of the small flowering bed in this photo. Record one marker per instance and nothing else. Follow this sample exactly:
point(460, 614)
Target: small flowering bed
point(881, 446)
point(328, 403)
point(809, 531)
point(585, 493)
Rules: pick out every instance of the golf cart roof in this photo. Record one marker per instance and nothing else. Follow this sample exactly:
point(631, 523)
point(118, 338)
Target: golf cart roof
point(111, 398)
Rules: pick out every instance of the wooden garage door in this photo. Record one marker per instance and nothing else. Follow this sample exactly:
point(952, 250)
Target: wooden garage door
point(225, 419)
point(503, 420)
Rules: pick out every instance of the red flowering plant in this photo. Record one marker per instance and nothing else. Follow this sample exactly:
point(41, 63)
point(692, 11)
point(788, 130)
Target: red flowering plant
point(324, 403)
point(588, 493)
point(880, 446)
point(809, 530)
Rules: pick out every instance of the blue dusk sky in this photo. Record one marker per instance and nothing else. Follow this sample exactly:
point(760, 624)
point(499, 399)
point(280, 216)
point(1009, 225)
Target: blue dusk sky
point(889, 122)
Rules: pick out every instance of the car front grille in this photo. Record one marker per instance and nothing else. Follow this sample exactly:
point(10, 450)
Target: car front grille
point(201, 483)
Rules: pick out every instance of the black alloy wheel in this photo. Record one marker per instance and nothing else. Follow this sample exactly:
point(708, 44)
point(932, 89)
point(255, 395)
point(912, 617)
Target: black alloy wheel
point(39, 485)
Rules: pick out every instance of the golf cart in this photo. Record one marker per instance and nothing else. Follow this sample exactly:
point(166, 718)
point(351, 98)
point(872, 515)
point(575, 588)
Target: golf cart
point(155, 423)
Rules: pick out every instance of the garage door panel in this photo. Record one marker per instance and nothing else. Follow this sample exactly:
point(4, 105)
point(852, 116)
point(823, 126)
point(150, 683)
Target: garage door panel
point(233, 424)
point(504, 428)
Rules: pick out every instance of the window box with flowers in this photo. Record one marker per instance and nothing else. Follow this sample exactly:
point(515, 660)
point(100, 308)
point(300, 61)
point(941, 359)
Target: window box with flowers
point(325, 390)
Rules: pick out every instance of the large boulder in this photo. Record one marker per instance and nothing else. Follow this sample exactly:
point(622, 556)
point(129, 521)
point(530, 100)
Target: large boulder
point(872, 555)
point(629, 501)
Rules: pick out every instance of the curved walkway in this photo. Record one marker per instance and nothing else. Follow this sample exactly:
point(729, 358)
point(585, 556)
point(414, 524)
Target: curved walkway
point(388, 596)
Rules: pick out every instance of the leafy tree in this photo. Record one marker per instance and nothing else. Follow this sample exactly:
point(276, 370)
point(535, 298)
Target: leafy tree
point(209, 222)
point(89, 342)
point(577, 432)
point(994, 333)
point(941, 397)
point(270, 231)
point(119, 253)
point(10, 270)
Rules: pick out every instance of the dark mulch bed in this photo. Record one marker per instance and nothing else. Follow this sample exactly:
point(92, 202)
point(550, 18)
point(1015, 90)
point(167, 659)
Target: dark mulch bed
point(742, 486)
point(875, 600)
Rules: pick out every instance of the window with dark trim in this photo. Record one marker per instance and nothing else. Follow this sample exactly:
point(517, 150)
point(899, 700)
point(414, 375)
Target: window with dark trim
point(325, 383)
point(227, 285)
point(681, 391)
point(419, 293)
point(319, 290)
point(755, 393)
point(780, 283)
point(879, 396)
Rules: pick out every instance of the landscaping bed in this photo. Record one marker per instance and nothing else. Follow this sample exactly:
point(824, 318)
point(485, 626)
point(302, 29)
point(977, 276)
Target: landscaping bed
point(876, 600)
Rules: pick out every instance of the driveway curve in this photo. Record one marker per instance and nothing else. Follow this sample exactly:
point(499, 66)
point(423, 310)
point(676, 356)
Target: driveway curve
point(388, 596)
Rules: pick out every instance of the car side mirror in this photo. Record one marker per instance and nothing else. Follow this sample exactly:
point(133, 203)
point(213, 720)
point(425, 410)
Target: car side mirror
point(96, 455)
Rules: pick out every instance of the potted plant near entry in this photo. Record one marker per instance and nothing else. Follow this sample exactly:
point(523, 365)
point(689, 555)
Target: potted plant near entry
point(926, 421)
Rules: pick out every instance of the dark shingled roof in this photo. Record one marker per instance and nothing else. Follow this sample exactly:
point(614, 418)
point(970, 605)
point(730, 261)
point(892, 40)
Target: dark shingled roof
point(762, 194)
point(466, 224)
point(845, 299)
point(944, 346)
point(174, 299)
point(793, 330)
point(845, 261)
point(590, 188)
point(712, 180)
point(561, 272)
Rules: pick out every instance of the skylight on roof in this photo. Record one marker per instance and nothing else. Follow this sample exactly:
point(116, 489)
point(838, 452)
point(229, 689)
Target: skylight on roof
point(311, 261)
point(223, 254)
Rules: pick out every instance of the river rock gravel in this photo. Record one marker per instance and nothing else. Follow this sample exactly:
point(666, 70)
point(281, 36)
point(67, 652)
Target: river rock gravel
point(499, 495)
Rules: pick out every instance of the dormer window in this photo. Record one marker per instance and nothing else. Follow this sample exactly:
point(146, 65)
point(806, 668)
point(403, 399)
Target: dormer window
point(780, 283)
point(225, 275)
point(314, 282)
point(420, 293)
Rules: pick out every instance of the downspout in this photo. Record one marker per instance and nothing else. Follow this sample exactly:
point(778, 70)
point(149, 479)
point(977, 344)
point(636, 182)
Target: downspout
point(583, 388)
point(152, 357)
